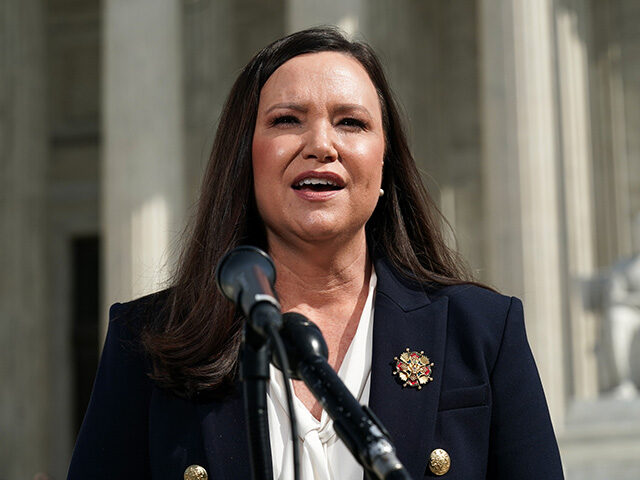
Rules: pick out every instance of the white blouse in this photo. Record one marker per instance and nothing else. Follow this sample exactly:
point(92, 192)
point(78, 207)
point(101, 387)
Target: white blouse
point(323, 456)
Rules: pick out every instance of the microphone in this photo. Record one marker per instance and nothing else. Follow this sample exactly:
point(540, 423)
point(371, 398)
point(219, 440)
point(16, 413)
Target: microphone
point(357, 426)
point(246, 275)
point(303, 341)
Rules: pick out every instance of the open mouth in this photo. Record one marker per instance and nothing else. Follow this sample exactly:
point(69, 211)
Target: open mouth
point(318, 182)
point(317, 185)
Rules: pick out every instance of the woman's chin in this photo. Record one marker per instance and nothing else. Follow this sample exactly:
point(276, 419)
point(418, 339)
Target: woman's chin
point(318, 233)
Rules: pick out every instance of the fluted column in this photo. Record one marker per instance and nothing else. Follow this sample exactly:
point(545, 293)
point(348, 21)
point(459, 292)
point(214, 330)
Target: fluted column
point(615, 106)
point(220, 37)
point(521, 184)
point(24, 362)
point(572, 20)
point(143, 179)
point(209, 65)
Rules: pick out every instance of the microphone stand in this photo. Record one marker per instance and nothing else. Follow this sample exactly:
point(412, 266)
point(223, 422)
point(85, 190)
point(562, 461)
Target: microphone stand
point(255, 359)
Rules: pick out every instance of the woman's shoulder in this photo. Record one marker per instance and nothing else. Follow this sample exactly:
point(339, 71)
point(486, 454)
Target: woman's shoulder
point(471, 301)
point(124, 344)
point(128, 322)
point(136, 314)
point(473, 310)
point(474, 297)
point(477, 311)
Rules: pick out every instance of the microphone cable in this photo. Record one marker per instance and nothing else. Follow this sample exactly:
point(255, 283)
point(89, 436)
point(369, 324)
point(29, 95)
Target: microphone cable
point(281, 353)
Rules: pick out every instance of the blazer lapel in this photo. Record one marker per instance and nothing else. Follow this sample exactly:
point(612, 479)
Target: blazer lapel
point(406, 318)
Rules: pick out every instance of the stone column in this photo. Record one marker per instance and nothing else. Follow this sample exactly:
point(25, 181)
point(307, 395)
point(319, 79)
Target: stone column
point(24, 362)
point(520, 174)
point(572, 21)
point(143, 180)
point(220, 37)
point(616, 144)
point(629, 31)
point(429, 51)
point(208, 65)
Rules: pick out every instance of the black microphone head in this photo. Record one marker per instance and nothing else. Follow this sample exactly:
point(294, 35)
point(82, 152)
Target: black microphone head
point(303, 339)
point(245, 269)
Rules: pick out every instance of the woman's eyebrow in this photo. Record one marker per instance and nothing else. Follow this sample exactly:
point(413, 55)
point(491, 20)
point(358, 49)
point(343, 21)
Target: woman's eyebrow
point(289, 106)
point(336, 110)
point(350, 107)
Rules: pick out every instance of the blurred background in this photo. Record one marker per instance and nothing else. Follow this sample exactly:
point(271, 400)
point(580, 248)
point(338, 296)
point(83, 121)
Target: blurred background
point(524, 118)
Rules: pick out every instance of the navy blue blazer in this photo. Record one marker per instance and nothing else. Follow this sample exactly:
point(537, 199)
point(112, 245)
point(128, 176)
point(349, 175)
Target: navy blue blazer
point(485, 405)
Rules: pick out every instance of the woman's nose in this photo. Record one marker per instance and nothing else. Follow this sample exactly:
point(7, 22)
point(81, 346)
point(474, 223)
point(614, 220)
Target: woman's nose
point(320, 144)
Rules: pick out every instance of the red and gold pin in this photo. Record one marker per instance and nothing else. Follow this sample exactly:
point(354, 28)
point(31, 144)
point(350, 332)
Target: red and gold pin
point(413, 368)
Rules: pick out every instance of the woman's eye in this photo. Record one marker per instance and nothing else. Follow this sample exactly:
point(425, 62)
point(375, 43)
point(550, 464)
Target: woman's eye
point(353, 123)
point(285, 120)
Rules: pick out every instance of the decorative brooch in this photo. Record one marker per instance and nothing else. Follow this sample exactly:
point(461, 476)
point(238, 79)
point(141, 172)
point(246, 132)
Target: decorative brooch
point(413, 368)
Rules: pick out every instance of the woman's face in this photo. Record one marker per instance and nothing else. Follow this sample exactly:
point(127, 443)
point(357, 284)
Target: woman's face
point(318, 149)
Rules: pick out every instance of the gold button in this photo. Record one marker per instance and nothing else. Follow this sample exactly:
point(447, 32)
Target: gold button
point(195, 472)
point(439, 462)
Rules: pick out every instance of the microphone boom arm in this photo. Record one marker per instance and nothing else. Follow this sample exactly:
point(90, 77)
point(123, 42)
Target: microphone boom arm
point(357, 426)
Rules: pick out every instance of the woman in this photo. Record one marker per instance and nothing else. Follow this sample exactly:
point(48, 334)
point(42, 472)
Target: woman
point(311, 163)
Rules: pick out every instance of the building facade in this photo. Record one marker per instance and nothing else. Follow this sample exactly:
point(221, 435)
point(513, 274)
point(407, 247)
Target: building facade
point(524, 118)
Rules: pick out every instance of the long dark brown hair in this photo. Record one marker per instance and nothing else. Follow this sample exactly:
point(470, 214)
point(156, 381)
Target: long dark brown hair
point(194, 344)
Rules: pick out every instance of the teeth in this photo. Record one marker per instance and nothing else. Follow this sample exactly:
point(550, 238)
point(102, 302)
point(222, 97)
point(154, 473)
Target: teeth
point(316, 181)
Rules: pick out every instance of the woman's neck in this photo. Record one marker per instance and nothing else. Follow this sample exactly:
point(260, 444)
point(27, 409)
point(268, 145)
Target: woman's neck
point(317, 277)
